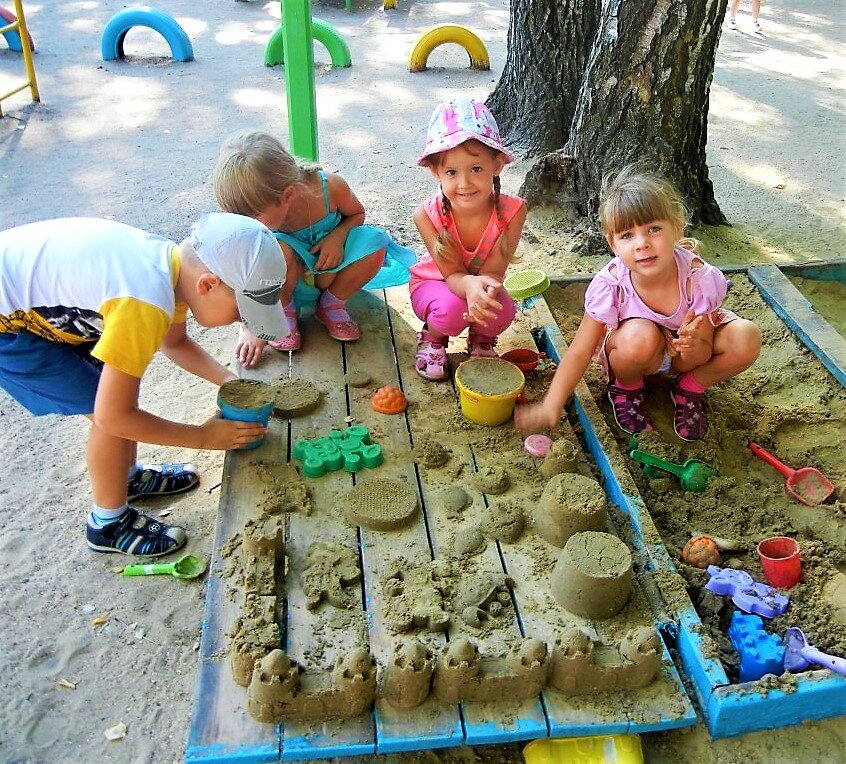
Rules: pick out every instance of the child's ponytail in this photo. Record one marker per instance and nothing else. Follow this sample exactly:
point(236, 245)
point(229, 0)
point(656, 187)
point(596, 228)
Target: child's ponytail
point(446, 251)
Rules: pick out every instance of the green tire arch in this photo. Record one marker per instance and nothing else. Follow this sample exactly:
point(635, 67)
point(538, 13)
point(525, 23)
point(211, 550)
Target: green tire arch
point(324, 33)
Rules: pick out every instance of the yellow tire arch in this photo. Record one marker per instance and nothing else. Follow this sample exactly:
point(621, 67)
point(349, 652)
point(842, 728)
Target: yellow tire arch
point(448, 33)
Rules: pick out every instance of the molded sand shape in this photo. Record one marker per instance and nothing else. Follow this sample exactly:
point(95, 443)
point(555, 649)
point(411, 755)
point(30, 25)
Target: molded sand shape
point(593, 575)
point(482, 598)
point(570, 504)
point(491, 480)
point(455, 500)
point(504, 521)
point(381, 505)
point(295, 397)
point(428, 452)
point(357, 378)
point(563, 456)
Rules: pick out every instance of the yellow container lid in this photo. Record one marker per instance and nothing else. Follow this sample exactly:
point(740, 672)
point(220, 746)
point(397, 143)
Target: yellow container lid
point(598, 749)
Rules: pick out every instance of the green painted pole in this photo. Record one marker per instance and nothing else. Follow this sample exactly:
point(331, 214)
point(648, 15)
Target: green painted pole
point(298, 53)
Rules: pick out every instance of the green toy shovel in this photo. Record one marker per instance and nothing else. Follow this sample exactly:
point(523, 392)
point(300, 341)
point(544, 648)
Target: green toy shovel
point(693, 474)
point(188, 566)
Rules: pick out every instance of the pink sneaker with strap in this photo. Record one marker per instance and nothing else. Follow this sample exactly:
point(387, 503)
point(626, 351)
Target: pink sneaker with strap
point(294, 340)
point(481, 346)
point(431, 362)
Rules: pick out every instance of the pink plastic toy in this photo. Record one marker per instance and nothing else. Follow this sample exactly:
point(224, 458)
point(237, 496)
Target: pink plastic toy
point(537, 445)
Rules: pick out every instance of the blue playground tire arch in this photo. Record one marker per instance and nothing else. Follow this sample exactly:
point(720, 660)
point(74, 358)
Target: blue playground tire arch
point(114, 33)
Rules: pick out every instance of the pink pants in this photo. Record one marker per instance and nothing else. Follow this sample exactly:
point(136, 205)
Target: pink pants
point(443, 310)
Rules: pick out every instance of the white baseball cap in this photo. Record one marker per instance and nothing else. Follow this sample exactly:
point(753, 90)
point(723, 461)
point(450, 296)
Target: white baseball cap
point(245, 255)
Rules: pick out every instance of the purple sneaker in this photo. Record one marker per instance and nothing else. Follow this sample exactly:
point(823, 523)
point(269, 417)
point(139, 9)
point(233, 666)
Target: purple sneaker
point(689, 422)
point(629, 409)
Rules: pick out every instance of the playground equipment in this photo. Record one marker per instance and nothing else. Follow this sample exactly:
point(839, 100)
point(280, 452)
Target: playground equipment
point(448, 33)
point(339, 52)
point(13, 39)
point(298, 60)
point(114, 33)
point(16, 27)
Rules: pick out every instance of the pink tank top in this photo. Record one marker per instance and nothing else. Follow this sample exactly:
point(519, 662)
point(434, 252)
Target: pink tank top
point(611, 298)
point(427, 269)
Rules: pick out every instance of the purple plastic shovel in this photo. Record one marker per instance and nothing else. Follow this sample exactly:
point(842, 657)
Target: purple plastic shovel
point(800, 655)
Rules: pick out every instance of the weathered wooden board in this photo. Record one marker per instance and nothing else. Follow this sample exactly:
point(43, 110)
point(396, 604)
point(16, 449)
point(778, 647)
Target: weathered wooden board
point(222, 730)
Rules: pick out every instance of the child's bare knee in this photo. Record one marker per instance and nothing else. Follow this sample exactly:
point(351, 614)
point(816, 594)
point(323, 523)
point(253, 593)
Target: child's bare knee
point(640, 343)
point(747, 341)
point(372, 263)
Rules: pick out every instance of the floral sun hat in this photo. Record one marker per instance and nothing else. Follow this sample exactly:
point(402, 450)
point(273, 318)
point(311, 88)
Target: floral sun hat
point(457, 121)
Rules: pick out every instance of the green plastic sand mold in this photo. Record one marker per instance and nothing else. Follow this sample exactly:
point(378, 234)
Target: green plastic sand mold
point(350, 450)
point(525, 284)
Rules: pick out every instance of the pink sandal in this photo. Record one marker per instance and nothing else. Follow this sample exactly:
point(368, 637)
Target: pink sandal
point(431, 362)
point(343, 330)
point(294, 340)
point(481, 346)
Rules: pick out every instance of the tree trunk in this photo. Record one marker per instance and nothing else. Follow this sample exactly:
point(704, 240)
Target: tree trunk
point(645, 98)
point(640, 94)
point(548, 46)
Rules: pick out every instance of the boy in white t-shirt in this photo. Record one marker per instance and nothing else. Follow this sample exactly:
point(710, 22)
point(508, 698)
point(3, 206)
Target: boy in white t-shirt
point(86, 303)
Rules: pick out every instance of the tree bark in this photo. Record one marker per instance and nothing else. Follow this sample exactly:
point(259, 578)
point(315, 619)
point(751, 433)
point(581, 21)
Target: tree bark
point(603, 83)
point(645, 98)
point(548, 46)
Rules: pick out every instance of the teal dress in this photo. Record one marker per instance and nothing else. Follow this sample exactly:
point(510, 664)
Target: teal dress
point(361, 241)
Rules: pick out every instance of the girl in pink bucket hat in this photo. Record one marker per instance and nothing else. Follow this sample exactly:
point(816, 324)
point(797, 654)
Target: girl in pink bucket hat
point(471, 231)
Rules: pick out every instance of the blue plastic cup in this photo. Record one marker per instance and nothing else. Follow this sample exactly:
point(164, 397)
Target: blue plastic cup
point(229, 394)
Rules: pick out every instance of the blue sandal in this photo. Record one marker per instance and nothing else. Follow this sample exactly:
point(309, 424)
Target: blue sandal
point(134, 533)
point(162, 480)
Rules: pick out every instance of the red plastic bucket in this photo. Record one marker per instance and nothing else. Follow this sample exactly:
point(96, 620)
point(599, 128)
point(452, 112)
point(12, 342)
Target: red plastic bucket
point(780, 560)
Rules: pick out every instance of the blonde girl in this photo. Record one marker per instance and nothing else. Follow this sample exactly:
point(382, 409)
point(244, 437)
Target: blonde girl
point(654, 309)
point(319, 222)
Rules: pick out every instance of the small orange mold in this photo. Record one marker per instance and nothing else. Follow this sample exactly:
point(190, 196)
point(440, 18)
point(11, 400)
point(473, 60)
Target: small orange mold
point(701, 551)
point(389, 400)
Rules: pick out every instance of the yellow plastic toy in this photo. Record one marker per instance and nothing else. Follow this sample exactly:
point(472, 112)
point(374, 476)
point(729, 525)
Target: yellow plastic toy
point(19, 26)
point(446, 33)
point(600, 749)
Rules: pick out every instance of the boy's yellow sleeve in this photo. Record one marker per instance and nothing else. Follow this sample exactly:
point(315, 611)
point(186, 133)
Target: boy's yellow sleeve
point(133, 330)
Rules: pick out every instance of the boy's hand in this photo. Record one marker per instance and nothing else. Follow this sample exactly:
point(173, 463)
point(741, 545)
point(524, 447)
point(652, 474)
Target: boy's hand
point(481, 299)
point(249, 348)
point(225, 434)
point(329, 251)
point(532, 418)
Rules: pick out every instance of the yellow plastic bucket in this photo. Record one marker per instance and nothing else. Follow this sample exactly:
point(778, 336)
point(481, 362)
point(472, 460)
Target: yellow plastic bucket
point(599, 749)
point(483, 408)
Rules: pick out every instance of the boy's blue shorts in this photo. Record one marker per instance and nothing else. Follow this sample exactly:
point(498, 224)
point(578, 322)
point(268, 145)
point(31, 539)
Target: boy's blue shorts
point(48, 377)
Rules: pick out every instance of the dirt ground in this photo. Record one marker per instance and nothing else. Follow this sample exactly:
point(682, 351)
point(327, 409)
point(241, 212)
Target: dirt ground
point(135, 140)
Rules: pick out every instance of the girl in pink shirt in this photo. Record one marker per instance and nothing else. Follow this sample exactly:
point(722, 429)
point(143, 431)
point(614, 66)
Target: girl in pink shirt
point(655, 308)
point(471, 232)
